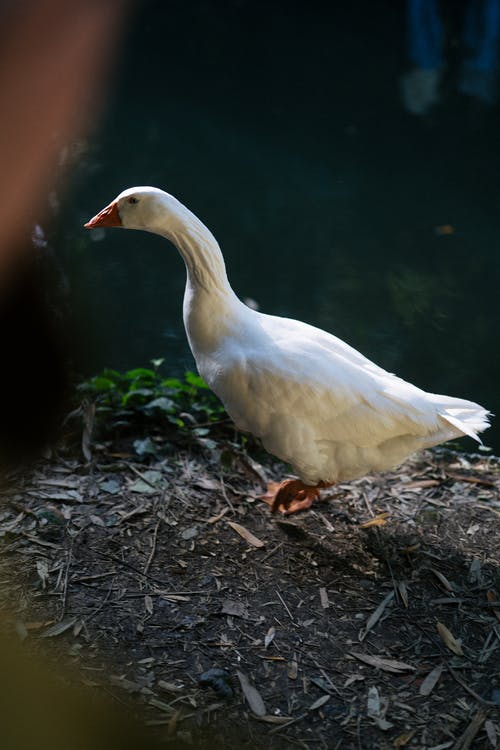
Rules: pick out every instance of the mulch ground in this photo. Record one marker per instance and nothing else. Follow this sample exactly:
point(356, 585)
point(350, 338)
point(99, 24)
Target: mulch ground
point(370, 621)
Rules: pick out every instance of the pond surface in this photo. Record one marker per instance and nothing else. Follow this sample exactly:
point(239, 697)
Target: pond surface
point(282, 127)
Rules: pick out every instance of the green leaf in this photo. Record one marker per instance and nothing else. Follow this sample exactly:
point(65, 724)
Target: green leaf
point(162, 403)
point(108, 372)
point(140, 372)
point(100, 383)
point(139, 394)
point(174, 383)
point(193, 379)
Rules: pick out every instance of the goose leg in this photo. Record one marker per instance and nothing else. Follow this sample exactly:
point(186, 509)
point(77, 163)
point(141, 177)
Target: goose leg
point(292, 495)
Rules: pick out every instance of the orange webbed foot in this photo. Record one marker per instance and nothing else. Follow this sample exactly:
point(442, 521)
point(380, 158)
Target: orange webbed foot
point(291, 495)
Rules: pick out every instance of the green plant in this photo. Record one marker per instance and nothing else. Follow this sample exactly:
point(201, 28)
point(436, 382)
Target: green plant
point(144, 395)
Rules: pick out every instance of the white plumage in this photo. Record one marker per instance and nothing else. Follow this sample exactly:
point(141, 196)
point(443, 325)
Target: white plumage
point(312, 399)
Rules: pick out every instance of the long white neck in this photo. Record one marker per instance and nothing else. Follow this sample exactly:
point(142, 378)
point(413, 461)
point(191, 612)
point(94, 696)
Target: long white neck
point(210, 305)
point(201, 253)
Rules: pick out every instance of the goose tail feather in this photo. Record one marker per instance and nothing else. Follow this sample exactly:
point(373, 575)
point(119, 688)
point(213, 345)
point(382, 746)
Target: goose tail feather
point(466, 416)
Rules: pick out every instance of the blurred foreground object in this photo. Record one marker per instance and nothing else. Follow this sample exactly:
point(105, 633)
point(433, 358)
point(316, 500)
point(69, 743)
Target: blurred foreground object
point(54, 58)
point(53, 61)
point(42, 710)
point(52, 54)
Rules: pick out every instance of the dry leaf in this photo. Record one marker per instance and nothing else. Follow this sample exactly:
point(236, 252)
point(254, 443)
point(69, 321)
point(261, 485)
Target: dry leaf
point(66, 483)
point(467, 737)
point(320, 702)
point(41, 542)
point(42, 569)
point(403, 593)
point(443, 580)
point(38, 624)
point(327, 523)
point(375, 710)
point(323, 595)
point(61, 495)
point(170, 687)
point(420, 483)
point(387, 665)
point(431, 681)
point(292, 669)
point(449, 639)
point(6, 528)
point(491, 732)
point(111, 486)
point(190, 533)
point(273, 658)
point(148, 604)
point(473, 529)
point(205, 483)
point(379, 520)
point(214, 519)
point(269, 637)
point(375, 616)
point(132, 687)
point(234, 608)
point(353, 678)
point(58, 628)
point(470, 479)
point(373, 702)
point(271, 719)
point(403, 739)
point(149, 482)
point(247, 535)
point(97, 520)
point(254, 698)
point(474, 574)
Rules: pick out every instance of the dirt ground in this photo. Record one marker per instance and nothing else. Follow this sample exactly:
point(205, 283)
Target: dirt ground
point(370, 621)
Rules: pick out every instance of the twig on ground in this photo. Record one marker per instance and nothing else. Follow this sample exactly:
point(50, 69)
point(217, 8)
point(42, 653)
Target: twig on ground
point(153, 548)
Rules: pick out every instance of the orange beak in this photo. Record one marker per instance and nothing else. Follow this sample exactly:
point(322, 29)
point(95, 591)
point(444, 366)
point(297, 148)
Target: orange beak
point(108, 217)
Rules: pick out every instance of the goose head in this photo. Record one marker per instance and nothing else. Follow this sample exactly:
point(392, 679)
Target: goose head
point(146, 208)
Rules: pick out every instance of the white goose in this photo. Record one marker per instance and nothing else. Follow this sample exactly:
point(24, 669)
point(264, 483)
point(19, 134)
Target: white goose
point(313, 400)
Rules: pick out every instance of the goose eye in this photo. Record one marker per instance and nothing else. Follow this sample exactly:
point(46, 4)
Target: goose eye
point(133, 200)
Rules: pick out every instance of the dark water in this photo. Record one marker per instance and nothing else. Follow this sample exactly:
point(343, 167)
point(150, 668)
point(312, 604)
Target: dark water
point(281, 126)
